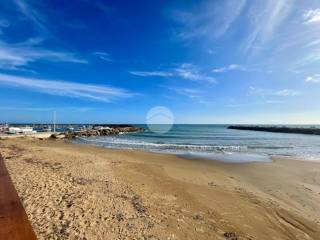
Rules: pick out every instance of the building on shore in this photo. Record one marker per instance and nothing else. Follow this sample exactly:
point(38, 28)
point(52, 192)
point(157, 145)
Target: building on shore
point(4, 128)
point(21, 130)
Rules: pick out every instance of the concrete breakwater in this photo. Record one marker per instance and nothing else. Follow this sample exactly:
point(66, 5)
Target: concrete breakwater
point(102, 131)
point(276, 129)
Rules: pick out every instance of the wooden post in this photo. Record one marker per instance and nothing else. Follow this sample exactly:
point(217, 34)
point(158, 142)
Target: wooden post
point(14, 224)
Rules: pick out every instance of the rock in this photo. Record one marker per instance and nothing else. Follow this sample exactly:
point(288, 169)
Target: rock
point(137, 205)
point(230, 236)
point(102, 131)
point(277, 129)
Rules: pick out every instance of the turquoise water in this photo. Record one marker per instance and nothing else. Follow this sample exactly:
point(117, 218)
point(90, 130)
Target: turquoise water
point(216, 142)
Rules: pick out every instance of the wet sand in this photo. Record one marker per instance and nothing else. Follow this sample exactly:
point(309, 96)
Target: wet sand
point(83, 192)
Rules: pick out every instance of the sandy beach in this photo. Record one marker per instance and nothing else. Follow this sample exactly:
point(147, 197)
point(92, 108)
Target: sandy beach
point(83, 192)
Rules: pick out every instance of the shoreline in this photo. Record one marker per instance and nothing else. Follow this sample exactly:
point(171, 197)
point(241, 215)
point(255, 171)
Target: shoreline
point(199, 158)
point(224, 153)
point(73, 191)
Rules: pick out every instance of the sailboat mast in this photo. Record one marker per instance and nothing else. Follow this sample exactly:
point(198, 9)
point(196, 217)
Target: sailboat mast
point(54, 122)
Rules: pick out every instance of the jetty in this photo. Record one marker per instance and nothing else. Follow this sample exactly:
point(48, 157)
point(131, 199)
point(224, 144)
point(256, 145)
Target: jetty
point(277, 129)
point(98, 130)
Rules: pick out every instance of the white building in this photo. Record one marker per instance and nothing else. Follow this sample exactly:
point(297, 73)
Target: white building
point(22, 130)
point(4, 127)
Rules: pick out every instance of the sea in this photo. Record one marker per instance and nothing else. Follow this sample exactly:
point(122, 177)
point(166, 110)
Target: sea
point(215, 142)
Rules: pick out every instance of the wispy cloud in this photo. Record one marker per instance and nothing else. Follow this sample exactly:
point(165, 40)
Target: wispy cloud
point(241, 68)
point(287, 93)
point(211, 22)
point(312, 16)
point(309, 58)
point(103, 56)
point(190, 72)
point(13, 56)
point(313, 79)
point(66, 89)
point(185, 71)
point(152, 73)
point(32, 14)
point(265, 19)
point(18, 55)
point(255, 103)
point(33, 109)
point(301, 44)
point(312, 43)
point(188, 92)
point(231, 67)
point(262, 92)
point(45, 109)
point(234, 9)
point(193, 94)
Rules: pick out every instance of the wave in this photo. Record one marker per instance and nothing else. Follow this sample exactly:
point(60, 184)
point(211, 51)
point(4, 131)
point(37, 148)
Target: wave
point(213, 141)
point(159, 145)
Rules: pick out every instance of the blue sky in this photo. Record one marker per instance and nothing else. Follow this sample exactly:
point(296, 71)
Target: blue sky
point(230, 61)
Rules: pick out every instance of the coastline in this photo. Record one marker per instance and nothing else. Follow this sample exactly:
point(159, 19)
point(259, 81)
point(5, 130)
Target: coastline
point(74, 191)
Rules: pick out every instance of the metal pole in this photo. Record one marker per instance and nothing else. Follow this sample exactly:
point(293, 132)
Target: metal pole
point(54, 122)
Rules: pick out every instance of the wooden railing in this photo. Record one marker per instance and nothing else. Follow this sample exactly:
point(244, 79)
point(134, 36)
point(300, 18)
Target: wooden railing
point(14, 224)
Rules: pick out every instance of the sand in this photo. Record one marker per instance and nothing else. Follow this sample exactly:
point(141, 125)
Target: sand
point(84, 192)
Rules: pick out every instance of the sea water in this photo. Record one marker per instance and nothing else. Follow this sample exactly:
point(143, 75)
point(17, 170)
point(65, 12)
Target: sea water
point(215, 142)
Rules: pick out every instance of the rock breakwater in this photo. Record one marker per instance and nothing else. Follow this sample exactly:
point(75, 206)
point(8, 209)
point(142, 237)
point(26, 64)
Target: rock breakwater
point(98, 131)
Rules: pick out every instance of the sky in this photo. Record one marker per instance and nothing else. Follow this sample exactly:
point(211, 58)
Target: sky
point(218, 61)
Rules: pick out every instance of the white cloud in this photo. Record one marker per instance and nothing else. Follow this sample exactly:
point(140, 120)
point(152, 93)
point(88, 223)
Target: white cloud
point(314, 78)
point(30, 12)
point(255, 103)
point(309, 58)
point(66, 89)
point(188, 92)
point(185, 71)
point(240, 68)
point(208, 19)
point(193, 94)
point(14, 56)
point(287, 92)
point(312, 43)
point(268, 33)
point(103, 55)
point(312, 16)
point(189, 72)
point(234, 9)
point(151, 73)
point(265, 20)
point(231, 67)
point(262, 92)
point(45, 109)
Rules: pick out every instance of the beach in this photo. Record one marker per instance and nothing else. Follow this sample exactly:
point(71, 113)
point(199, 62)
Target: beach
point(72, 191)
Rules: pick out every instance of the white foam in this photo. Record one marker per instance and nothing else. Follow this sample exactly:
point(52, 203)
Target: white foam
point(144, 145)
point(210, 152)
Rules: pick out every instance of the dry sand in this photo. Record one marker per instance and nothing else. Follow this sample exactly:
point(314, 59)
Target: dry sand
point(83, 192)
